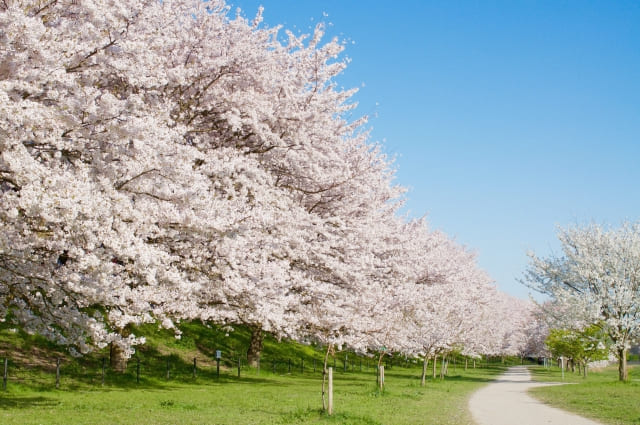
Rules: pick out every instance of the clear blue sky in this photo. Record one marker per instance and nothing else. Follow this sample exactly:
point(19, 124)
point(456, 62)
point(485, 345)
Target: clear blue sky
point(508, 118)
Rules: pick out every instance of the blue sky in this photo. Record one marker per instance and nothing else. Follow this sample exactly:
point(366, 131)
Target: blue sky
point(507, 118)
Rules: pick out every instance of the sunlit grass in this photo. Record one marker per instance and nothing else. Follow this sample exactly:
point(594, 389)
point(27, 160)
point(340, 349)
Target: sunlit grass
point(264, 397)
point(600, 396)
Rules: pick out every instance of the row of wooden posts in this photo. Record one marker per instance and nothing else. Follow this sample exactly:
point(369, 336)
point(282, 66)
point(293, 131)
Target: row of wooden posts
point(274, 365)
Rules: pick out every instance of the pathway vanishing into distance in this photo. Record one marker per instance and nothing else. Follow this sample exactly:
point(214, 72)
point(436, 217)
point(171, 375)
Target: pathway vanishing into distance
point(505, 402)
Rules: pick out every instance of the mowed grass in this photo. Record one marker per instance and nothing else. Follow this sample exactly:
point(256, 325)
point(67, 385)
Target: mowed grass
point(600, 396)
point(268, 399)
point(274, 395)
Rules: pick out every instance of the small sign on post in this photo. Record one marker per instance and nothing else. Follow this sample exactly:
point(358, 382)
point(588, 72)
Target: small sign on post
point(218, 357)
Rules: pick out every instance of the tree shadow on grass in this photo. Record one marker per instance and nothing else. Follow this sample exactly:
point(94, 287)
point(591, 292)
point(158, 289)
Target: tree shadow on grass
point(26, 402)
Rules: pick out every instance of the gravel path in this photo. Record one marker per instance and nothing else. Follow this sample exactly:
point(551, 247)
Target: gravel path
point(506, 402)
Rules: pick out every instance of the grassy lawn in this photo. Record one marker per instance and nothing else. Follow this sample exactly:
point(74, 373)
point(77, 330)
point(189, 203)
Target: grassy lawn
point(600, 396)
point(275, 395)
point(265, 399)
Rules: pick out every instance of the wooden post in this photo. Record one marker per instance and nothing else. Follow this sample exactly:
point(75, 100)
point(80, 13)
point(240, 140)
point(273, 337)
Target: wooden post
point(168, 368)
point(330, 395)
point(138, 370)
point(195, 368)
point(103, 367)
point(381, 373)
point(239, 365)
point(474, 363)
point(218, 368)
point(5, 374)
point(58, 372)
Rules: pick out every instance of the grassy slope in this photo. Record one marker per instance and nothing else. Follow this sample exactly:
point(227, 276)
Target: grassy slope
point(264, 398)
point(600, 396)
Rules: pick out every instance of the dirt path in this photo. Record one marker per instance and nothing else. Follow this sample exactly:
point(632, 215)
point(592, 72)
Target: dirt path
point(505, 402)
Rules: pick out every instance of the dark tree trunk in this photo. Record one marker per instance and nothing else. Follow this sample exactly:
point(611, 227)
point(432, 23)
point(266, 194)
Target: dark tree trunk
point(117, 358)
point(255, 346)
point(623, 373)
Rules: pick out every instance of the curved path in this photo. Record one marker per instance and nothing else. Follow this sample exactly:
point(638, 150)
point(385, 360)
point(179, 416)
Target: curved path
point(506, 402)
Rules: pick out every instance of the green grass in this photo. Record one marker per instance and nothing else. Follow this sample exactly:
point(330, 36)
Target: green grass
point(266, 397)
point(600, 396)
point(271, 399)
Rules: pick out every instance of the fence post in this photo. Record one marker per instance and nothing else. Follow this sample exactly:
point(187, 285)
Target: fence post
point(239, 365)
point(330, 404)
point(103, 366)
point(58, 372)
point(138, 370)
point(168, 368)
point(381, 372)
point(217, 367)
point(5, 374)
point(195, 368)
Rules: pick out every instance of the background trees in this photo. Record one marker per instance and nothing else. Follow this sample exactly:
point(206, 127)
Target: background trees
point(596, 281)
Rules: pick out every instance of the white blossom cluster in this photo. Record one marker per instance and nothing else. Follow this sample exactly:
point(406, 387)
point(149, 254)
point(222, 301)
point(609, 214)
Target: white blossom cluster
point(161, 161)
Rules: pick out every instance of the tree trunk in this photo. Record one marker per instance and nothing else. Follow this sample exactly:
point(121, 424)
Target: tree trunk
point(435, 362)
point(117, 358)
point(425, 364)
point(379, 376)
point(623, 373)
point(255, 346)
point(442, 366)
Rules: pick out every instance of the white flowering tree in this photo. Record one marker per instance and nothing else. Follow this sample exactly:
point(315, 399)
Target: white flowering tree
point(597, 279)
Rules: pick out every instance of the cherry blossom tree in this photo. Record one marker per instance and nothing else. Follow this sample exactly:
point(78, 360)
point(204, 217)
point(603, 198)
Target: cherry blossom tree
point(161, 161)
point(597, 278)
